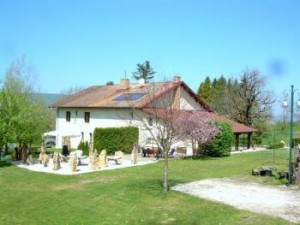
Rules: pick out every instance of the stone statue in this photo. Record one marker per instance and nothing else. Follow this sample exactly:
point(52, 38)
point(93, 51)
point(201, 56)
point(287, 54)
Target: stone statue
point(119, 155)
point(91, 147)
point(134, 154)
point(63, 158)
point(94, 160)
point(43, 157)
point(102, 159)
point(56, 161)
point(29, 160)
point(73, 162)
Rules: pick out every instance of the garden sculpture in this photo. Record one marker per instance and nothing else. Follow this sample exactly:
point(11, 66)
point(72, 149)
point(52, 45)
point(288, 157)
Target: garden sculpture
point(73, 162)
point(56, 161)
point(94, 160)
point(102, 159)
point(134, 154)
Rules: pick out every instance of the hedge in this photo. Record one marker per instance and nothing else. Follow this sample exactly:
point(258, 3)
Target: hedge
point(84, 146)
point(115, 139)
point(221, 144)
point(276, 145)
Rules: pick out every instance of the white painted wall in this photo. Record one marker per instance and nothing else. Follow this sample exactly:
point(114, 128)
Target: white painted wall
point(77, 127)
point(187, 102)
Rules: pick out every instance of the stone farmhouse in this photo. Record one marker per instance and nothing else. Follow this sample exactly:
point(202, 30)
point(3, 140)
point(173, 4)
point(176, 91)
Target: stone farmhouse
point(128, 104)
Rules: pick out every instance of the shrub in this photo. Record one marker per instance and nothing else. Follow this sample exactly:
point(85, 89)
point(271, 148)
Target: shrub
point(257, 140)
point(296, 142)
point(84, 146)
point(221, 144)
point(276, 145)
point(116, 139)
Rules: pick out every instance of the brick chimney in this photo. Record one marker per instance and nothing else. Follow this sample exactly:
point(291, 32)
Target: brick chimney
point(176, 79)
point(124, 83)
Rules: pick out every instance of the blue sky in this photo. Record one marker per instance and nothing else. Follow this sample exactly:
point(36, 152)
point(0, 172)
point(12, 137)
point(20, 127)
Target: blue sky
point(82, 43)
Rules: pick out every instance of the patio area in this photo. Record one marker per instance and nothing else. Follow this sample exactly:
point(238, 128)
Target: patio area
point(84, 167)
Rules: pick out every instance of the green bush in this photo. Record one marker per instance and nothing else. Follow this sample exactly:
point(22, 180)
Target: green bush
point(221, 145)
point(84, 146)
point(257, 140)
point(296, 142)
point(116, 139)
point(276, 145)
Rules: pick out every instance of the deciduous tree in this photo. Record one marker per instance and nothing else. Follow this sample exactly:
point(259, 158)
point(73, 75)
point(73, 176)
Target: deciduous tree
point(196, 127)
point(252, 104)
point(23, 117)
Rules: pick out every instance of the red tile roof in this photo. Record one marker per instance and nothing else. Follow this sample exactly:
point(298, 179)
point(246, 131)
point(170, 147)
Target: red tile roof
point(237, 128)
point(103, 96)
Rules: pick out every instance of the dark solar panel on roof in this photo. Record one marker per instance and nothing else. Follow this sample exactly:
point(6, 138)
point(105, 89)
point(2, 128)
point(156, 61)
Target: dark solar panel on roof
point(129, 97)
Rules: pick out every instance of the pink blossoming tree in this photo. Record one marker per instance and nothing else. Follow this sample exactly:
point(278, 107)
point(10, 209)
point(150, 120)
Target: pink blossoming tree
point(196, 127)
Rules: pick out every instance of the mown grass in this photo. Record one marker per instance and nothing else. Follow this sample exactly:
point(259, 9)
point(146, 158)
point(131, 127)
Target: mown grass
point(130, 196)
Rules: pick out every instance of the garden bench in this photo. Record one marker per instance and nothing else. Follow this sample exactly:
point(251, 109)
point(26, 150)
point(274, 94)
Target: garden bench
point(114, 158)
point(263, 171)
point(118, 157)
point(266, 170)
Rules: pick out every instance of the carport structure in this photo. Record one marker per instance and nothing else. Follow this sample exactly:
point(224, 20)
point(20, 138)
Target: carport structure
point(237, 128)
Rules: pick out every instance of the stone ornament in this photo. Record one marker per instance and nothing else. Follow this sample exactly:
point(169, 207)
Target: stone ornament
point(56, 161)
point(102, 159)
point(134, 154)
point(73, 162)
point(94, 160)
point(43, 158)
point(119, 155)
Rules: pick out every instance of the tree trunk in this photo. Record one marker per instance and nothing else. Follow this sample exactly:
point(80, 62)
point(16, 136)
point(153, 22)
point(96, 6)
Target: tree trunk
point(24, 153)
point(166, 171)
point(297, 167)
point(195, 149)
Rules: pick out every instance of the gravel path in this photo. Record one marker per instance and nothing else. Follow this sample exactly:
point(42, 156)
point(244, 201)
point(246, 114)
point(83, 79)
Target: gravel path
point(281, 201)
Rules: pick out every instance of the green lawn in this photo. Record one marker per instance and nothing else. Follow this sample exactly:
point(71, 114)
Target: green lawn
point(130, 196)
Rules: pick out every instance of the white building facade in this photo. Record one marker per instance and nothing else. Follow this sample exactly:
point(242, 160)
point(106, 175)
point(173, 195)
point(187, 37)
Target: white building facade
point(78, 116)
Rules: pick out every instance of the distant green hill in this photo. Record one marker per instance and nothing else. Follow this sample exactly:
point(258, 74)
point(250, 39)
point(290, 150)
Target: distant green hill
point(49, 99)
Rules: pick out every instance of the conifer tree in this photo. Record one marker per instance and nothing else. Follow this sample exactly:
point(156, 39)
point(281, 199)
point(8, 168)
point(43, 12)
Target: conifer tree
point(144, 71)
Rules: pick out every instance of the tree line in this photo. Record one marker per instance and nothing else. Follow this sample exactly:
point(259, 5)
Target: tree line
point(244, 99)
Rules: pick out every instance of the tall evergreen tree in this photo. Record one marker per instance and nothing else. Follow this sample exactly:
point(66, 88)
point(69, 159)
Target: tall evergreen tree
point(144, 71)
point(205, 90)
point(220, 96)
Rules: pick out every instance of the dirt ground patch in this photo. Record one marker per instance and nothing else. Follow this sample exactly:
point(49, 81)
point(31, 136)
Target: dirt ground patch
point(280, 201)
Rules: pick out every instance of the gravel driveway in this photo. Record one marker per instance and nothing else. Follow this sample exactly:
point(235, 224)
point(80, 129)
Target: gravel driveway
point(280, 201)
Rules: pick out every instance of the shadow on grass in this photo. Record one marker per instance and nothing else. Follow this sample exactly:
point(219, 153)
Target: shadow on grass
point(204, 158)
point(5, 164)
point(152, 185)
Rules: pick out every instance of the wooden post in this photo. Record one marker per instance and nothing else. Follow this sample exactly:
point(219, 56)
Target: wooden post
point(296, 167)
point(249, 140)
point(237, 139)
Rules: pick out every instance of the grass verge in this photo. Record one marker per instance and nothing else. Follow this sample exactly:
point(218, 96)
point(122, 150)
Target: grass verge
point(132, 195)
